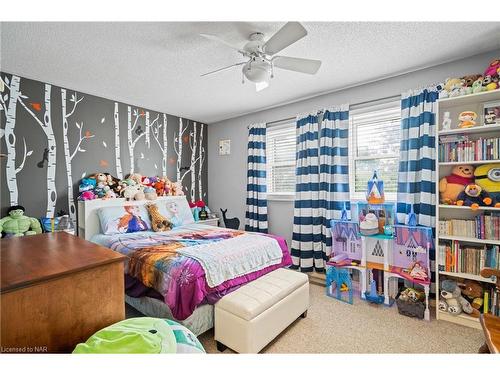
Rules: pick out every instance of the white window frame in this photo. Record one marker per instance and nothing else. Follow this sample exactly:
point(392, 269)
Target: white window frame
point(360, 196)
point(283, 196)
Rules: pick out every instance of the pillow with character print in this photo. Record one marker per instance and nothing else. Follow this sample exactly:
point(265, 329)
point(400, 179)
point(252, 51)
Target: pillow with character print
point(124, 219)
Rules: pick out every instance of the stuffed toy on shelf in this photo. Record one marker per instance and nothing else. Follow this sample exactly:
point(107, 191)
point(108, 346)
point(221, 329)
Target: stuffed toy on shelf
point(488, 177)
point(452, 185)
point(16, 224)
point(467, 119)
point(452, 301)
point(474, 196)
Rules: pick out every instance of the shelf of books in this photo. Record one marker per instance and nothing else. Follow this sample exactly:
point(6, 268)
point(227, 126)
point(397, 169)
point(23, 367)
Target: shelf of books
point(468, 240)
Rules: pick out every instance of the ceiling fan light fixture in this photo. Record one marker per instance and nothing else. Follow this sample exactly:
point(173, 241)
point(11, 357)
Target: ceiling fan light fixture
point(257, 71)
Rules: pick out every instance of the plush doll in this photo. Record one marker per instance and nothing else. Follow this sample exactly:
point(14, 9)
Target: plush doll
point(474, 196)
point(493, 68)
point(474, 293)
point(488, 177)
point(451, 300)
point(150, 193)
point(133, 192)
point(452, 87)
point(490, 83)
point(87, 184)
point(136, 177)
point(113, 183)
point(469, 80)
point(87, 196)
point(177, 188)
point(159, 223)
point(452, 185)
point(101, 180)
point(467, 119)
point(477, 86)
point(16, 224)
point(160, 187)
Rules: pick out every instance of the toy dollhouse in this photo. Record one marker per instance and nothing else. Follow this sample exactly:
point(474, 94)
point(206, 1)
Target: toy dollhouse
point(392, 253)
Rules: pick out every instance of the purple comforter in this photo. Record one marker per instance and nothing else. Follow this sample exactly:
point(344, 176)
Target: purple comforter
point(180, 280)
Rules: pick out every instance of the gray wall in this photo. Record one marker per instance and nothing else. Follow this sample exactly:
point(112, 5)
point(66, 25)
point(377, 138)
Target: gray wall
point(38, 114)
point(227, 174)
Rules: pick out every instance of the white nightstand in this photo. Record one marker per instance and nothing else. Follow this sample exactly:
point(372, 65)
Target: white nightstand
point(214, 222)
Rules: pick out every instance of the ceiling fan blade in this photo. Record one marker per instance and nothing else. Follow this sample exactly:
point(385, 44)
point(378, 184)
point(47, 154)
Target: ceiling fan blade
point(287, 35)
point(222, 69)
point(297, 64)
point(222, 41)
point(259, 86)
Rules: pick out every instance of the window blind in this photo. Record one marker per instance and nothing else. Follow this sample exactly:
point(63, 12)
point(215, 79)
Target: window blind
point(280, 153)
point(375, 146)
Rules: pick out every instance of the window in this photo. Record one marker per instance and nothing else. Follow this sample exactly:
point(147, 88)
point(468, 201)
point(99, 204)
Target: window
point(280, 152)
point(374, 145)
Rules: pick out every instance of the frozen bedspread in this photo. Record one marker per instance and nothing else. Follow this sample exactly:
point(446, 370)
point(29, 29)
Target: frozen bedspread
point(157, 260)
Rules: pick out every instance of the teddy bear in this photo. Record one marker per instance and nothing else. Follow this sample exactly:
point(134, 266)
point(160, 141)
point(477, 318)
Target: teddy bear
point(451, 299)
point(474, 196)
point(101, 180)
point(474, 293)
point(488, 177)
point(452, 185)
point(133, 192)
point(470, 79)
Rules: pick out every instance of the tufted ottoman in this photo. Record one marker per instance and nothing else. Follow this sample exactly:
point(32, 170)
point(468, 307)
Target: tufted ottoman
point(249, 318)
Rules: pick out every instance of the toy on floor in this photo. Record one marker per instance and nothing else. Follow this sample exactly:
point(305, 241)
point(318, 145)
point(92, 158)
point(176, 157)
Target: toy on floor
point(452, 301)
point(452, 185)
point(16, 224)
point(474, 196)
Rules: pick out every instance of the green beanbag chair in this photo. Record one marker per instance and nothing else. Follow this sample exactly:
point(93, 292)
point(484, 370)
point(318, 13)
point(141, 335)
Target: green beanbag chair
point(142, 335)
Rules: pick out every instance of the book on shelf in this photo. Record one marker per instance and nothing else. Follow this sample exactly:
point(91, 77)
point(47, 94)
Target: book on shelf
point(491, 301)
point(456, 257)
point(461, 149)
point(483, 227)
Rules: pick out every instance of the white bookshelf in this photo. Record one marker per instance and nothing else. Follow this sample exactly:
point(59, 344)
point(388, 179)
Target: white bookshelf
point(456, 105)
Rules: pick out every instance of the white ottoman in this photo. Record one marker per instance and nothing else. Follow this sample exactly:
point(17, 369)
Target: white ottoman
point(249, 318)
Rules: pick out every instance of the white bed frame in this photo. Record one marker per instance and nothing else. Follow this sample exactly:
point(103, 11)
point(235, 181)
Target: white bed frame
point(88, 221)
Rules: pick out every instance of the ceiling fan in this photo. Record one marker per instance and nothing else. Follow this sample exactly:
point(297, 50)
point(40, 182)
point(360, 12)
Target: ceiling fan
point(262, 58)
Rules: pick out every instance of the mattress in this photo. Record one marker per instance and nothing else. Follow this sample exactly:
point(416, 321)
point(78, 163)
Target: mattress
point(152, 258)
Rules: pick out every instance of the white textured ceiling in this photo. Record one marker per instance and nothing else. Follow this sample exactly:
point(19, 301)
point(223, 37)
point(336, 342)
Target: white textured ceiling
point(158, 65)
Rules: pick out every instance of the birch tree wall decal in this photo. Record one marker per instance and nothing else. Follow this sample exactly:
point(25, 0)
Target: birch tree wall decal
point(147, 128)
point(118, 162)
point(193, 144)
point(178, 149)
point(68, 156)
point(130, 131)
point(202, 161)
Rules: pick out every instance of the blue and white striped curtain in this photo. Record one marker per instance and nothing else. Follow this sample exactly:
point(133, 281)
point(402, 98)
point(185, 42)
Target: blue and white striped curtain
point(322, 186)
point(256, 213)
point(417, 163)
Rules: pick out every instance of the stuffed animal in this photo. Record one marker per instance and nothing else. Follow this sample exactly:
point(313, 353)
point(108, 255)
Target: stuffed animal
point(177, 188)
point(87, 184)
point(150, 193)
point(87, 196)
point(113, 183)
point(160, 187)
point(488, 177)
point(490, 82)
point(469, 80)
point(452, 185)
point(16, 224)
point(136, 177)
point(493, 68)
point(467, 119)
point(474, 292)
point(452, 87)
point(451, 300)
point(101, 180)
point(159, 223)
point(474, 196)
point(133, 192)
point(369, 225)
point(477, 86)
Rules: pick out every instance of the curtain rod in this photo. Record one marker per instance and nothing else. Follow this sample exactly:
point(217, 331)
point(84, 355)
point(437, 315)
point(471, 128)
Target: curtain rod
point(351, 106)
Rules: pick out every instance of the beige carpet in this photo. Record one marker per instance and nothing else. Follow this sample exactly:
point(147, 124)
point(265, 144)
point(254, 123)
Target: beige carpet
point(332, 326)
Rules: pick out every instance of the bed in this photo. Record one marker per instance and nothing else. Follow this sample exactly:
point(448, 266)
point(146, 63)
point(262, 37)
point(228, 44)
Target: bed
point(181, 273)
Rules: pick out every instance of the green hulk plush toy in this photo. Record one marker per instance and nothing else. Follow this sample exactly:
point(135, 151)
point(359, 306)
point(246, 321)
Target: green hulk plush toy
point(16, 224)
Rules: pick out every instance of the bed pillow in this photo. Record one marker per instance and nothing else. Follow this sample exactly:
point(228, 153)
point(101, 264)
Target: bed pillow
point(124, 219)
point(177, 210)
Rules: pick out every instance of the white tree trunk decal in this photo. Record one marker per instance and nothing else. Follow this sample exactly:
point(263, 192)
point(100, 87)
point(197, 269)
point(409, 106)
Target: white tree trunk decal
point(130, 131)
point(164, 150)
point(68, 155)
point(119, 172)
point(193, 145)
point(202, 161)
point(178, 150)
point(147, 126)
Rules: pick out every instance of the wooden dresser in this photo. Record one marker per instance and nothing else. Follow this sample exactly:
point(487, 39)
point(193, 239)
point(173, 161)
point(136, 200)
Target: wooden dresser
point(57, 290)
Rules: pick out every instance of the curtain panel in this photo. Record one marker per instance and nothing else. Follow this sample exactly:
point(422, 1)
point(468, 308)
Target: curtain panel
point(256, 202)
